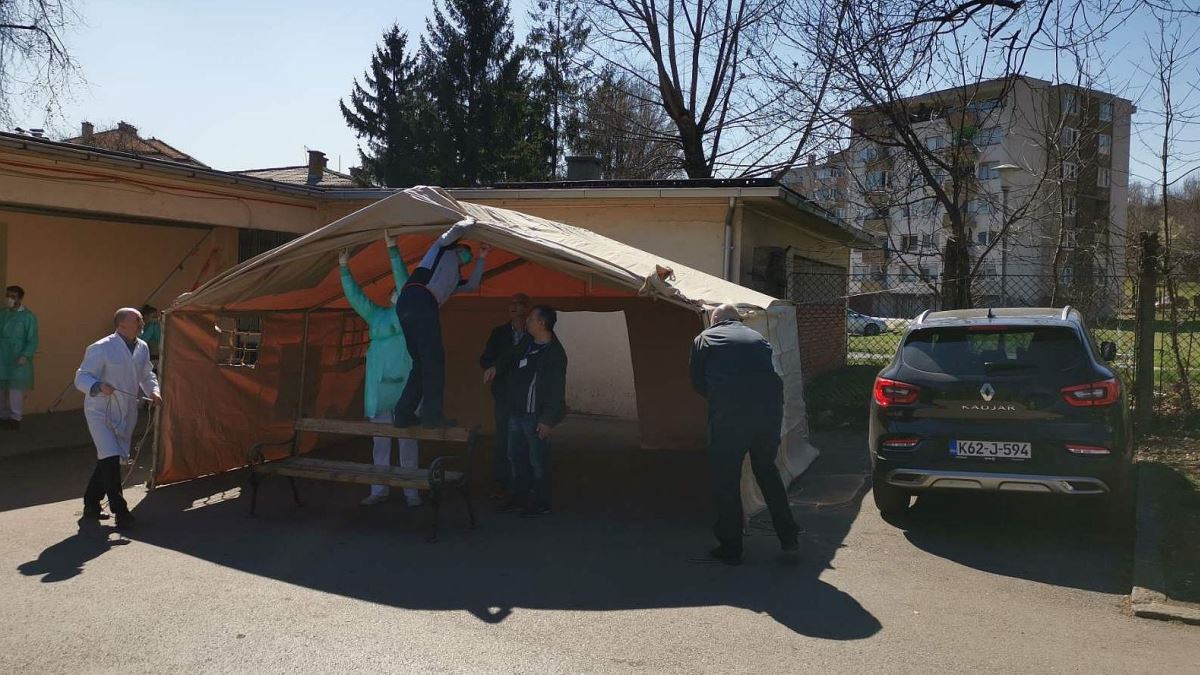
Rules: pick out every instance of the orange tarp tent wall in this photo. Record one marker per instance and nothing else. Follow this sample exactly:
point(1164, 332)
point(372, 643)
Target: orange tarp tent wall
point(309, 359)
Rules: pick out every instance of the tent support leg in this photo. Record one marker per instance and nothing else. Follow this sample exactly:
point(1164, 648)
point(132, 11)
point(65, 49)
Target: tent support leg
point(295, 492)
point(435, 501)
point(465, 488)
point(255, 479)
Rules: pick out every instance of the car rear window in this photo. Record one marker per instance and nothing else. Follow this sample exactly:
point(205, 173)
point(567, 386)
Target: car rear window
point(984, 350)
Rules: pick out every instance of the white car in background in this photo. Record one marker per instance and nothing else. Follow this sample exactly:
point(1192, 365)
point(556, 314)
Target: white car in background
point(862, 324)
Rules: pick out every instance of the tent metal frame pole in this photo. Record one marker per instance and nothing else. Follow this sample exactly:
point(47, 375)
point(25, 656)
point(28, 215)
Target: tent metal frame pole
point(303, 379)
point(157, 410)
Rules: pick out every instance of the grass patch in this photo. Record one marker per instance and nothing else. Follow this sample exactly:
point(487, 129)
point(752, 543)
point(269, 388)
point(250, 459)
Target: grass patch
point(1172, 465)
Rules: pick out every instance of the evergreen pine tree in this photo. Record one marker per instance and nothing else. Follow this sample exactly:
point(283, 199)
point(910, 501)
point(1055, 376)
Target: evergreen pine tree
point(489, 125)
point(556, 42)
point(390, 110)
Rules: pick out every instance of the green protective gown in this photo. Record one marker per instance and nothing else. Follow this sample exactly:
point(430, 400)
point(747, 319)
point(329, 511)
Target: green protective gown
point(388, 361)
point(18, 337)
point(152, 334)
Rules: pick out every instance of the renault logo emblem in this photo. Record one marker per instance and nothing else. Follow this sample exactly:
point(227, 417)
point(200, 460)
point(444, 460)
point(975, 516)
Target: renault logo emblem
point(987, 392)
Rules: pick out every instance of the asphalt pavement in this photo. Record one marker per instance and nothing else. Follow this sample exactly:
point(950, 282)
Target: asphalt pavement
point(612, 581)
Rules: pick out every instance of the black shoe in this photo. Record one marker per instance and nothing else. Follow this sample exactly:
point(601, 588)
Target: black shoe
point(94, 514)
point(727, 556)
point(790, 547)
point(536, 511)
point(125, 522)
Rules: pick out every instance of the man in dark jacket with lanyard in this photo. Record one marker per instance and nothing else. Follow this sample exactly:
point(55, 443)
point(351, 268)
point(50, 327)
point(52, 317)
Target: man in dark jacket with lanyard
point(429, 287)
point(537, 397)
point(504, 339)
point(731, 366)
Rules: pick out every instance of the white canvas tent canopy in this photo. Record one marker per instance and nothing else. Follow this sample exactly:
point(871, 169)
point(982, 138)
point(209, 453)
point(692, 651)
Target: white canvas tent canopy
point(309, 353)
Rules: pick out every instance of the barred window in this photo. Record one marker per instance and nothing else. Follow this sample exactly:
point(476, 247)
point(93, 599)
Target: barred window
point(356, 338)
point(238, 341)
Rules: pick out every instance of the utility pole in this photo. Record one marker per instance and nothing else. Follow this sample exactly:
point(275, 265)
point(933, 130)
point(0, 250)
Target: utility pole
point(1004, 246)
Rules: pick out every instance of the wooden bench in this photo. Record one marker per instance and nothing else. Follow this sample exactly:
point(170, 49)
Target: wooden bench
point(434, 480)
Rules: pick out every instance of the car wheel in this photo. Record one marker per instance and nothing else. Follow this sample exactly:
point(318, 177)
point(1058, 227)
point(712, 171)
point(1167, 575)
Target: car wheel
point(889, 499)
point(871, 329)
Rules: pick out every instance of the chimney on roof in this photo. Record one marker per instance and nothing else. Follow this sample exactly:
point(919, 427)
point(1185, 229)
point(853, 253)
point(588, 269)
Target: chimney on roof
point(583, 167)
point(127, 128)
point(316, 166)
point(86, 132)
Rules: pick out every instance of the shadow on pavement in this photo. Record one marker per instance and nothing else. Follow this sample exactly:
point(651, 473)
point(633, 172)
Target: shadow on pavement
point(66, 559)
point(45, 477)
point(1036, 537)
point(628, 529)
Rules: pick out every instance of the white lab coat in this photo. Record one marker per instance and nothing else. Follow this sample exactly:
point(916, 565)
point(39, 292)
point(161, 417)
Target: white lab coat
point(111, 418)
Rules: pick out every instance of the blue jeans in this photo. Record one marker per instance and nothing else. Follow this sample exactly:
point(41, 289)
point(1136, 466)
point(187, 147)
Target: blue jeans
point(530, 460)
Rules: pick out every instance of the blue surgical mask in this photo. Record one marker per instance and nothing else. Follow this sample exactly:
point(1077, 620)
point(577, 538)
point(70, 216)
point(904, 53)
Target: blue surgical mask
point(464, 255)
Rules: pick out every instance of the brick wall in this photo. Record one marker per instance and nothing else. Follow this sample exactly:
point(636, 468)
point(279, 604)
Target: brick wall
point(819, 289)
point(822, 330)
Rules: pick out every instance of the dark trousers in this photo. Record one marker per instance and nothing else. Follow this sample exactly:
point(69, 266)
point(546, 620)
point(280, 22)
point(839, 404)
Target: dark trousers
point(501, 467)
point(106, 480)
point(530, 459)
point(730, 437)
point(418, 312)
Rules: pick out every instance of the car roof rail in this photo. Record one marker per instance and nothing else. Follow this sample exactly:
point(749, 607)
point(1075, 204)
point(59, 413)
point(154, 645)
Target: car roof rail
point(1066, 313)
point(921, 317)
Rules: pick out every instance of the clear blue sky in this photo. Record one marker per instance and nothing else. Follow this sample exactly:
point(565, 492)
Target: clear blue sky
point(251, 84)
point(238, 84)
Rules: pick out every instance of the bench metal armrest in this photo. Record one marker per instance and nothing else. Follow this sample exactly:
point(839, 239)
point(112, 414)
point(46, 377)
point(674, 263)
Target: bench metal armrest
point(437, 472)
point(255, 455)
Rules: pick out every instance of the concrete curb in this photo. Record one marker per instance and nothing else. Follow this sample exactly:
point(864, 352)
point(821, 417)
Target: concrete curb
point(1147, 600)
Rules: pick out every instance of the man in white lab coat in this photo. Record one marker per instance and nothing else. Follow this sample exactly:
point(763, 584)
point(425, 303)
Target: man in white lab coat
point(113, 370)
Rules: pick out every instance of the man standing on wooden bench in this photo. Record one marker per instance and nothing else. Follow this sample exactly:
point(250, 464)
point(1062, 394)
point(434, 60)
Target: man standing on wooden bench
point(389, 367)
point(430, 286)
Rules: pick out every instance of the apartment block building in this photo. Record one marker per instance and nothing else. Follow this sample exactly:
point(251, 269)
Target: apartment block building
point(1039, 173)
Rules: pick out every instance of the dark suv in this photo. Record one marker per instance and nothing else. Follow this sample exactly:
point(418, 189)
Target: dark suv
point(1000, 400)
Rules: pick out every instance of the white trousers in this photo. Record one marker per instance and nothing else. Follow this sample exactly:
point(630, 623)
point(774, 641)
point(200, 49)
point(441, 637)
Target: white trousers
point(12, 404)
point(382, 455)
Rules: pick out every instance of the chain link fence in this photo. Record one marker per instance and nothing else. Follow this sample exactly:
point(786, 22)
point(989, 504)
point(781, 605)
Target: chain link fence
point(851, 326)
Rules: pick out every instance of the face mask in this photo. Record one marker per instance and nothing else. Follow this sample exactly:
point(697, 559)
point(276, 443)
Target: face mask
point(464, 255)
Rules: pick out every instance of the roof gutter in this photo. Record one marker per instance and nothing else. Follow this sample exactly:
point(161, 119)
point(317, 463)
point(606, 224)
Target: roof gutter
point(727, 252)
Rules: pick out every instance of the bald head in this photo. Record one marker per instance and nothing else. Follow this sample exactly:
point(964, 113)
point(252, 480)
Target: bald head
point(725, 312)
point(128, 322)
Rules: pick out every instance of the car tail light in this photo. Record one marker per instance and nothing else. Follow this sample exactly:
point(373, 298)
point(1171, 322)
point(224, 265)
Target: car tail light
point(1088, 450)
point(899, 443)
point(1093, 394)
point(892, 392)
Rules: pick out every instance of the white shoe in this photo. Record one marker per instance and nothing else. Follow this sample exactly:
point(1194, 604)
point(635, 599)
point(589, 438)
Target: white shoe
point(372, 500)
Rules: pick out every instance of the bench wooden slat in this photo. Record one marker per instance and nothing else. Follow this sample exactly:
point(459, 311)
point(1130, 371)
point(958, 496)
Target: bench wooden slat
point(351, 472)
point(365, 428)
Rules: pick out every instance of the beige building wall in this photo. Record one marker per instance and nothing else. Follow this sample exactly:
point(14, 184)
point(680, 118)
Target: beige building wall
point(688, 231)
point(77, 272)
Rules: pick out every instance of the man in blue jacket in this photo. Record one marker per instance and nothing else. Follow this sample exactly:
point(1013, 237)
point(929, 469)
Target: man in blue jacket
point(731, 366)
